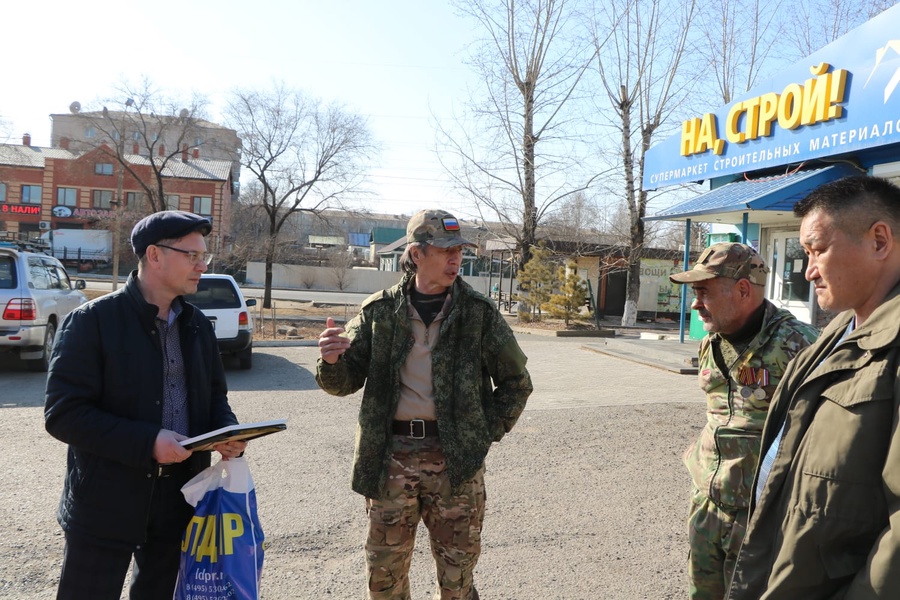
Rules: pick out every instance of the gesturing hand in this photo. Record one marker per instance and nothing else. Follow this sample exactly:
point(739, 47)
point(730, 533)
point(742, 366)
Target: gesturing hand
point(332, 343)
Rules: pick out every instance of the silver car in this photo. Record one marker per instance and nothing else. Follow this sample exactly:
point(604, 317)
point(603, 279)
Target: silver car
point(36, 294)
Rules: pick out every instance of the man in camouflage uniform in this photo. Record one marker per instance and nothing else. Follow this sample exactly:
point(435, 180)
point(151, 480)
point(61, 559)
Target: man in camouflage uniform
point(444, 378)
point(741, 361)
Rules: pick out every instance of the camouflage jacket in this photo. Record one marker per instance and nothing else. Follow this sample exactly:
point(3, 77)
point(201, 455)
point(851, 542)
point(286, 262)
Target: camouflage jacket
point(723, 460)
point(476, 351)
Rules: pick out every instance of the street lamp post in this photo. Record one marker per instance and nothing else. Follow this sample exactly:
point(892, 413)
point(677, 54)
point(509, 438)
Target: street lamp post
point(117, 221)
point(116, 227)
point(119, 201)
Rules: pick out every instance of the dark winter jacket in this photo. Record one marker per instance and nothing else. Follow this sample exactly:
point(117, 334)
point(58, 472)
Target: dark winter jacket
point(104, 399)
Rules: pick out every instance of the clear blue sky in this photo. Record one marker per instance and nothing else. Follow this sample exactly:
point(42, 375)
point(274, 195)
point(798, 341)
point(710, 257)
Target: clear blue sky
point(392, 61)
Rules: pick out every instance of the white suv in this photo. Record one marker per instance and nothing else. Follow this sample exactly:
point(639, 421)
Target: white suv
point(35, 295)
point(221, 300)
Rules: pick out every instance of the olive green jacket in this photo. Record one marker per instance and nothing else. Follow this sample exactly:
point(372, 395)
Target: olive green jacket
point(827, 523)
point(480, 380)
point(723, 460)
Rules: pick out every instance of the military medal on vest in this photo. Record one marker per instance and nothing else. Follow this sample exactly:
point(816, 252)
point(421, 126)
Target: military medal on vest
point(748, 376)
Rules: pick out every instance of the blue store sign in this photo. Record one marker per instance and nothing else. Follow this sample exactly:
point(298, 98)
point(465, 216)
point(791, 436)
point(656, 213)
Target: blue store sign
point(843, 98)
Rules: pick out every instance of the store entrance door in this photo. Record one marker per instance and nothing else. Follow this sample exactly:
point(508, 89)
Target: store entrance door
point(788, 287)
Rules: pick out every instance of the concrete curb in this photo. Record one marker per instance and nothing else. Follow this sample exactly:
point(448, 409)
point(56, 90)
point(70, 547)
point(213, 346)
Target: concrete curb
point(586, 333)
point(652, 349)
point(283, 343)
point(641, 359)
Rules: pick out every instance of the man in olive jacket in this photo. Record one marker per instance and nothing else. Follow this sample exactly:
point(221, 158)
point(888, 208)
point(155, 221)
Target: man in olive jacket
point(444, 378)
point(825, 521)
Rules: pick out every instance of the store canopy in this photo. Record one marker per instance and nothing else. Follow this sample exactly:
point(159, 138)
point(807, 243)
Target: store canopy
point(765, 200)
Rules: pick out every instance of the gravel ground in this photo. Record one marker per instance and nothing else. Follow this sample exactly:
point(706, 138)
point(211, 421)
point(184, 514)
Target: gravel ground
point(586, 497)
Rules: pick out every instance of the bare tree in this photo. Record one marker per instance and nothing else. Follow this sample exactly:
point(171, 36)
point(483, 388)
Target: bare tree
point(305, 155)
point(6, 129)
point(737, 38)
point(249, 224)
point(307, 277)
point(141, 126)
point(617, 225)
point(521, 149)
point(640, 70)
point(341, 265)
point(573, 215)
point(139, 129)
point(817, 23)
point(670, 235)
point(578, 222)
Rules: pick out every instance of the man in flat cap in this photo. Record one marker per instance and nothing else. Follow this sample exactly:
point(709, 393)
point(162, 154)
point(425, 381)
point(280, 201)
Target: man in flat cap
point(741, 361)
point(444, 378)
point(132, 373)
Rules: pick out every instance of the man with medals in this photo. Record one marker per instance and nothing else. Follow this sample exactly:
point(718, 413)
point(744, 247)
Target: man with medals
point(741, 361)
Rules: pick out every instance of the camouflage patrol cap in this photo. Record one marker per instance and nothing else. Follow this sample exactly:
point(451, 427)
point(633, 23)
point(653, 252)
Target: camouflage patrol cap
point(735, 261)
point(436, 227)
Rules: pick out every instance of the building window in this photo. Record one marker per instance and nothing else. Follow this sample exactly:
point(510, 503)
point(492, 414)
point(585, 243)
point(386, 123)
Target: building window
point(102, 199)
point(198, 141)
point(115, 135)
point(2, 192)
point(172, 202)
point(103, 169)
point(66, 196)
point(136, 136)
point(202, 205)
point(90, 132)
point(135, 200)
point(31, 194)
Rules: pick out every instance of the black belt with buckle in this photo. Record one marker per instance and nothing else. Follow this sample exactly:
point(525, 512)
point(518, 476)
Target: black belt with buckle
point(416, 429)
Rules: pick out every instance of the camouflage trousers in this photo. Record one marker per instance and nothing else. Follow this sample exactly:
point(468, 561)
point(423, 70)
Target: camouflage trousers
point(418, 488)
point(715, 535)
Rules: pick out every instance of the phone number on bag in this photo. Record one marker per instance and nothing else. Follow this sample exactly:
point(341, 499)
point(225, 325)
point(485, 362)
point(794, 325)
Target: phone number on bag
point(202, 591)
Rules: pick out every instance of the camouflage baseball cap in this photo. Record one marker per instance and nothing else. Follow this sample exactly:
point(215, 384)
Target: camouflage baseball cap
point(436, 227)
point(735, 261)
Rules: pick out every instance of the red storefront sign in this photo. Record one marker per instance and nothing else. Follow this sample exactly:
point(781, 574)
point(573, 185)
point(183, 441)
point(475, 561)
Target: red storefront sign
point(19, 209)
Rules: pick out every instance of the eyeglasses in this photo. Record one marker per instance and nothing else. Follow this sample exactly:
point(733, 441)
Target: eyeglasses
point(193, 256)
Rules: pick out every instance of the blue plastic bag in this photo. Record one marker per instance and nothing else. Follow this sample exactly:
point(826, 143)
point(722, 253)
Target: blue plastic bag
point(222, 548)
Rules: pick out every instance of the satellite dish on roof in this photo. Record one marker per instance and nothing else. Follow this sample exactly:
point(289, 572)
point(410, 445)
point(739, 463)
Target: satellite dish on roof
point(185, 113)
point(75, 107)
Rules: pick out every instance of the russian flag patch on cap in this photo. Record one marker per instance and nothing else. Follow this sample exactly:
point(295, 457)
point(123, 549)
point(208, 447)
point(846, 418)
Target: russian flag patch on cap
point(450, 224)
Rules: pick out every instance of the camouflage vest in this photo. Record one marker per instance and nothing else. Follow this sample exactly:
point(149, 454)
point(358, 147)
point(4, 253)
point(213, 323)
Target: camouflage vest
point(723, 460)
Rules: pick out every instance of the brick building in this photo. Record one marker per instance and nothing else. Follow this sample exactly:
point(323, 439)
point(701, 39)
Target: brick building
point(58, 188)
point(145, 134)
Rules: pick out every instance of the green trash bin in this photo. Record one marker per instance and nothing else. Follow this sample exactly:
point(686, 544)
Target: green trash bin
point(696, 331)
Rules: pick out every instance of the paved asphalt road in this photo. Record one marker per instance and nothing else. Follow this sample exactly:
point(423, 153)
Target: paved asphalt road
point(586, 497)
